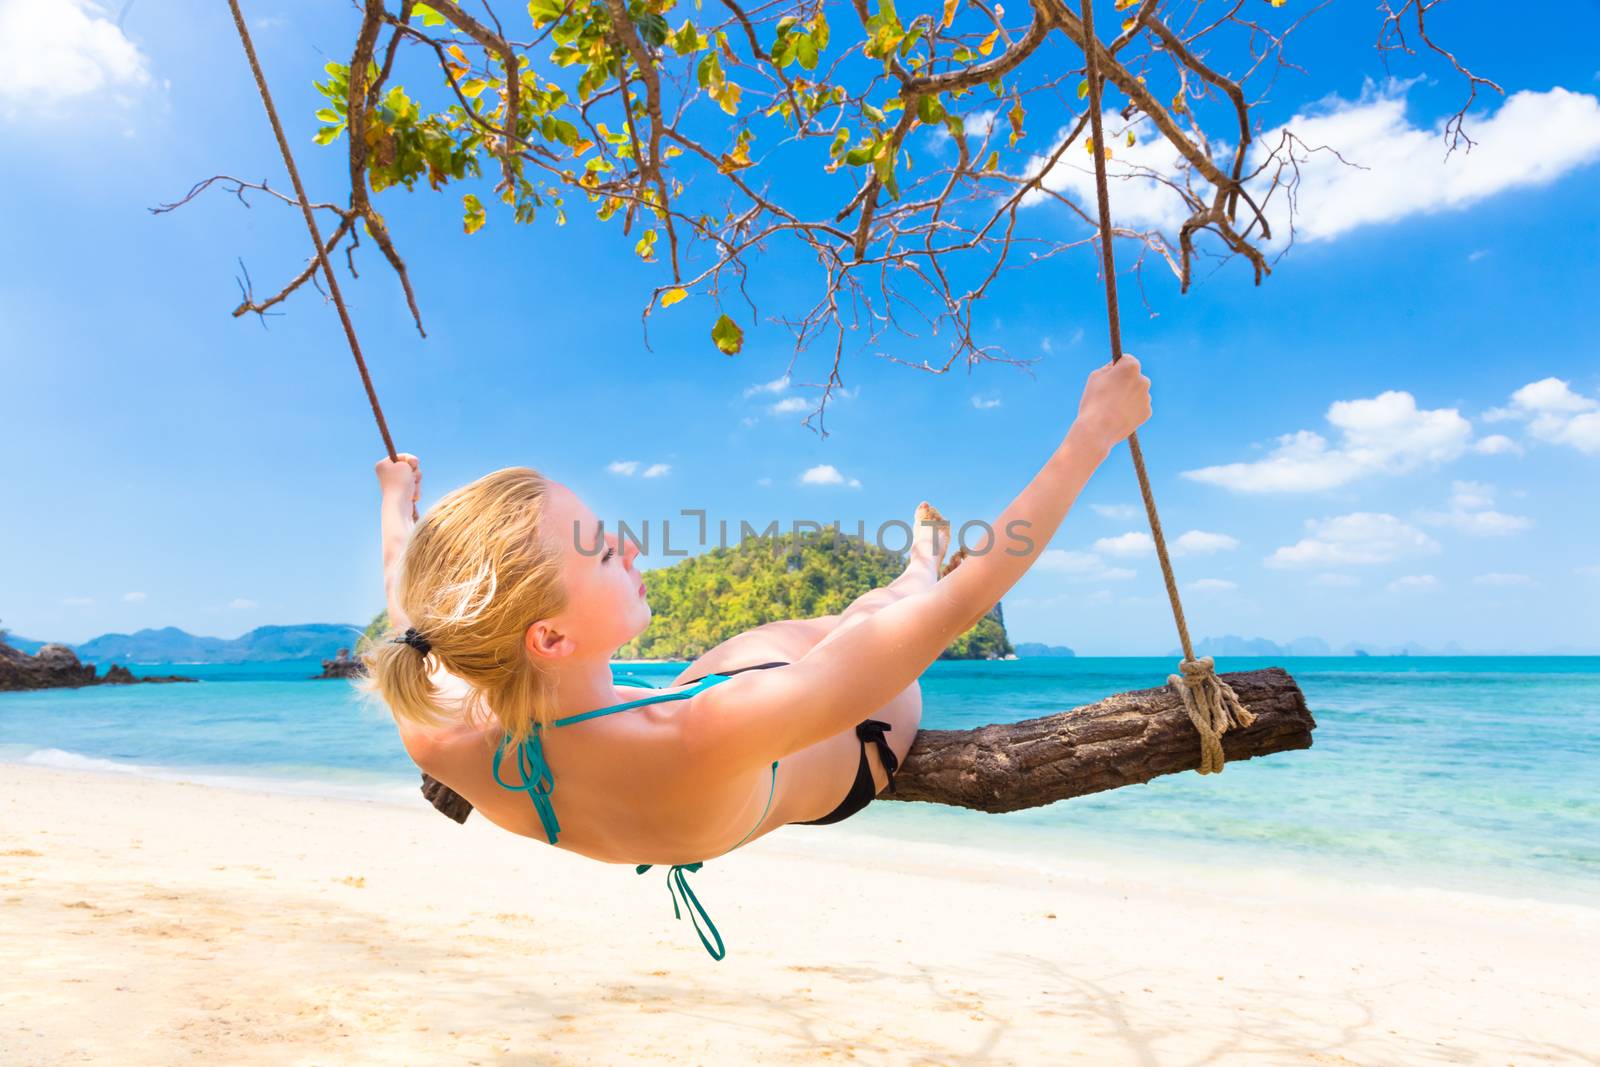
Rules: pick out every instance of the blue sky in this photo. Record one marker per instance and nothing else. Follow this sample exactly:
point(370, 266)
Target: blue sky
point(1394, 438)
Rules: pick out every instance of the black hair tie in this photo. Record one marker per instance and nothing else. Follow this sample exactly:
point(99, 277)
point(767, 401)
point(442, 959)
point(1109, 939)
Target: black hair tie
point(416, 641)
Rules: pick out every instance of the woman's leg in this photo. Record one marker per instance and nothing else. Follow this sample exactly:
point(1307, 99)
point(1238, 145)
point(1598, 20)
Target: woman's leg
point(930, 538)
point(790, 639)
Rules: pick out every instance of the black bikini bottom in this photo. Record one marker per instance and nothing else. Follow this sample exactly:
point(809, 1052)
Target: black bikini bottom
point(864, 789)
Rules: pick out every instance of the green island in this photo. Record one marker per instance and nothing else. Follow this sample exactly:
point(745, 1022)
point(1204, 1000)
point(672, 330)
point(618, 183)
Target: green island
point(702, 601)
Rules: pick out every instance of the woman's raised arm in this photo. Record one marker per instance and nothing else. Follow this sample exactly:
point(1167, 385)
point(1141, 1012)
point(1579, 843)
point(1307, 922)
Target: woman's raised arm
point(761, 716)
point(399, 488)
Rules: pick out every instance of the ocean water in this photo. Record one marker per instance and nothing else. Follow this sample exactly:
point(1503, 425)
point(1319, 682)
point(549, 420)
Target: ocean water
point(1471, 773)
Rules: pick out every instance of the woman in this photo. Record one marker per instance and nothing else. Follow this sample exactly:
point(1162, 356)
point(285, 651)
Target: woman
point(514, 599)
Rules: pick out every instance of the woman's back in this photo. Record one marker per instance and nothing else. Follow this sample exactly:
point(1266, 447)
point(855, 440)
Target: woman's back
point(620, 788)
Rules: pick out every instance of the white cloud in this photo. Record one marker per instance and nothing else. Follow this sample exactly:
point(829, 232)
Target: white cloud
point(1132, 543)
point(1361, 537)
point(1387, 434)
point(984, 403)
point(1115, 511)
point(790, 404)
point(1554, 413)
point(135, 598)
point(1472, 511)
point(828, 474)
point(77, 601)
point(55, 51)
point(1079, 566)
point(777, 385)
point(629, 467)
point(1532, 139)
point(748, 421)
point(1139, 543)
point(1503, 580)
point(240, 603)
point(1400, 169)
point(763, 481)
point(1496, 444)
point(1590, 570)
point(1413, 582)
point(1209, 585)
point(1199, 542)
point(1476, 254)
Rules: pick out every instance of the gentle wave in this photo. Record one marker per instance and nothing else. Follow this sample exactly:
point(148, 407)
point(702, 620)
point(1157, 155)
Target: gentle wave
point(377, 790)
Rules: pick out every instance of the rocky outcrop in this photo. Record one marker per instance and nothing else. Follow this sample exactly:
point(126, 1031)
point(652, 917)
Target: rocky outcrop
point(341, 666)
point(57, 667)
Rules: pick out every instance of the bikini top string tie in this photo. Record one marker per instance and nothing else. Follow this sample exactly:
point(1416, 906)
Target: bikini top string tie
point(537, 781)
point(678, 883)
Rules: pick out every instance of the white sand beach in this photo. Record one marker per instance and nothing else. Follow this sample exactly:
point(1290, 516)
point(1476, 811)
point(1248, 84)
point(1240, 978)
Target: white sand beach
point(152, 922)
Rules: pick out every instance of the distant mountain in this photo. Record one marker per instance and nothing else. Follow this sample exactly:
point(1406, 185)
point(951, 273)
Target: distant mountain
point(1034, 648)
point(1233, 645)
point(172, 645)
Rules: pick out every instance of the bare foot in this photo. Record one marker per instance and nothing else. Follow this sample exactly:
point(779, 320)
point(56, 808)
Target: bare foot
point(930, 536)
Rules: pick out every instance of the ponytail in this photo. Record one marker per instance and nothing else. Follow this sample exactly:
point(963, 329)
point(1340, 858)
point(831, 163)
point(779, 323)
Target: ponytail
point(474, 573)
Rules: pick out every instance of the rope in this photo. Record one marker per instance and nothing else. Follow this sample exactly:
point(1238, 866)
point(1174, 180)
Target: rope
point(1211, 703)
point(316, 236)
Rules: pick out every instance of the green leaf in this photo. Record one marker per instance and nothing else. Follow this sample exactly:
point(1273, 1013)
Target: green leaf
point(544, 11)
point(929, 109)
point(327, 114)
point(429, 16)
point(475, 216)
point(728, 336)
point(327, 134)
point(709, 70)
point(473, 87)
point(1083, 89)
point(806, 52)
point(820, 32)
point(653, 28)
point(646, 245)
point(687, 39)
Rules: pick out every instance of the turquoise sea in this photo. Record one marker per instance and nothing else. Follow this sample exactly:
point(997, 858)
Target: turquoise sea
point(1471, 773)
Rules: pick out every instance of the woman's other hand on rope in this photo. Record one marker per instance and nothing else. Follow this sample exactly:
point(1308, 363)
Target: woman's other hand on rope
point(1116, 402)
point(401, 479)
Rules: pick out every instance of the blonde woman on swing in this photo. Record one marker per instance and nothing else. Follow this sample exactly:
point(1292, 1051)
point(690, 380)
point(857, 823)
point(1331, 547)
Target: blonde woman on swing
point(512, 599)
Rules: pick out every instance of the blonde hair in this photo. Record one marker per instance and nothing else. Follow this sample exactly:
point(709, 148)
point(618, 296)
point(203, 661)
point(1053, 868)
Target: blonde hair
point(475, 573)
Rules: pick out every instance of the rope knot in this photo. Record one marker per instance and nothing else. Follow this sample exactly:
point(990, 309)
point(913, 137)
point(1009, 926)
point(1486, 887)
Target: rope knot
point(1212, 705)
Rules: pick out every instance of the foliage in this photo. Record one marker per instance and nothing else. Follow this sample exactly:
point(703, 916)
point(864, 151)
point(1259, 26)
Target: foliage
point(900, 151)
point(373, 633)
point(701, 602)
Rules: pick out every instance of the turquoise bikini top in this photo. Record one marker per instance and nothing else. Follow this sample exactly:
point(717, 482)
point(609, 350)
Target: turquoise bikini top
point(538, 783)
